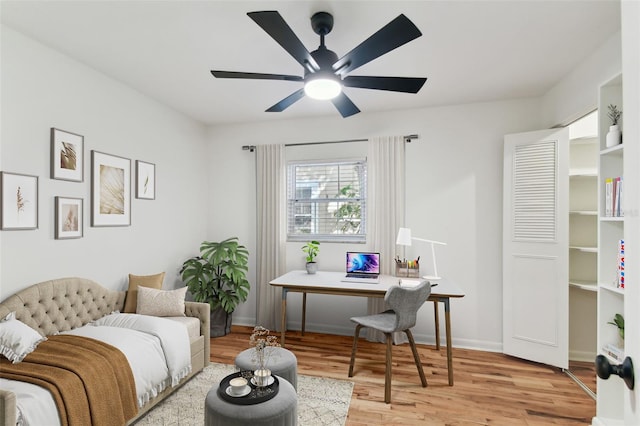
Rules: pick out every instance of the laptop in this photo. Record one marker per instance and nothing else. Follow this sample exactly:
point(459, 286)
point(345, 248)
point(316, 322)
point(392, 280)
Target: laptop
point(362, 267)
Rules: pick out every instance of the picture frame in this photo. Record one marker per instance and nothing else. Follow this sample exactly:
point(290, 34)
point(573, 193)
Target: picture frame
point(110, 190)
point(67, 155)
point(19, 201)
point(69, 217)
point(145, 180)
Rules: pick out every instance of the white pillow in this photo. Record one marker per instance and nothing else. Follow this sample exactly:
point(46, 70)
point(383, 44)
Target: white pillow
point(17, 339)
point(161, 303)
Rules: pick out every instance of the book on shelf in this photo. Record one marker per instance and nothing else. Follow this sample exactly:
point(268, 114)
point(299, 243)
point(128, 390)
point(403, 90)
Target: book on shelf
point(608, 197)
point(620, 279)
point(619, 211)
point(613, 206)
point(614, 352)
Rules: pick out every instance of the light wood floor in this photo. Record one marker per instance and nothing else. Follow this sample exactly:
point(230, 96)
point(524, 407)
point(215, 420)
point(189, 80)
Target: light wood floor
point(489, 389)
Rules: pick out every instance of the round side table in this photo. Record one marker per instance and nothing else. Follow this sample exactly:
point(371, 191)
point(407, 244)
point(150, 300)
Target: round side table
point(282, 363)
point(281, 410)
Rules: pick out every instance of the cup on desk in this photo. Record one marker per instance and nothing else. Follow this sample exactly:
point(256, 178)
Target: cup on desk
point(262, 376)
point(238, 385)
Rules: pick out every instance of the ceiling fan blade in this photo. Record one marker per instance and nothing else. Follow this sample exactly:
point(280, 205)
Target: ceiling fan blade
point(255, 75)
point(273, 23)
point(394, 84)
point(344, 105)
point(287, 102)
point(393, 35)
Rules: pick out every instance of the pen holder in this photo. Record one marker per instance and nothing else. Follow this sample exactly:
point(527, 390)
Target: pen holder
point(408, 271)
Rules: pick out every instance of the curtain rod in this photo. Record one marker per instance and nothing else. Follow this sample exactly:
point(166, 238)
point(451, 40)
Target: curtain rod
point(251, 148)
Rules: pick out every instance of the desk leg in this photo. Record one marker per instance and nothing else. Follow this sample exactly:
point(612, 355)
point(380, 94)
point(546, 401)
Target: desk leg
point(283, 323)
point(437, 322)
point(447, 317)
point(304, 311)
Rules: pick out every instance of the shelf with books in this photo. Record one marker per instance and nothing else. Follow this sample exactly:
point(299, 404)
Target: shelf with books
point(611, 224)
point(613, 190)
point(612, 218)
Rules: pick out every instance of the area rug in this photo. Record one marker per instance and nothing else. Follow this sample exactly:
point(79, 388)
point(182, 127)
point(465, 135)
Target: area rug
point(321, 401)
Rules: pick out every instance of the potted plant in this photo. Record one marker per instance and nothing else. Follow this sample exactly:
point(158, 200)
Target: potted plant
point(312, 248)
point(618, 321)
point(218, 277)
point(614, 136)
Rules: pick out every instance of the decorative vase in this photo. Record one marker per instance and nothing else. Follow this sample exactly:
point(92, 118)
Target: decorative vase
point(614, 136)
point(312, 267)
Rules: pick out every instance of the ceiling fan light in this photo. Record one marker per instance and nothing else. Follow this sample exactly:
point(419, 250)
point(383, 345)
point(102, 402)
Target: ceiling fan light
point(322, 88)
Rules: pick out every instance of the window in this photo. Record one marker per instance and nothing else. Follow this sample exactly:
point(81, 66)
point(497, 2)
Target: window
point(327, 200)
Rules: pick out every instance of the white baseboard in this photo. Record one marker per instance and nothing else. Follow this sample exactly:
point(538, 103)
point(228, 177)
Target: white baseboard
point(427, 339)
point(606, 422)
point(583, 356)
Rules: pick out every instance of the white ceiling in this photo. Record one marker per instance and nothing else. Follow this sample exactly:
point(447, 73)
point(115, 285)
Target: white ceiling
point(470, 50)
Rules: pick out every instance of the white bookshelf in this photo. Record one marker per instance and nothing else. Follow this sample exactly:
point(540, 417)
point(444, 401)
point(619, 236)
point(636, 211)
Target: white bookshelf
point(583, 237)
point(610, 404)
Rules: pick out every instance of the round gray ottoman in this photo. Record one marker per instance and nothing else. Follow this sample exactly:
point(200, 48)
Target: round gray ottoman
point(281, 410)
point(282, 363)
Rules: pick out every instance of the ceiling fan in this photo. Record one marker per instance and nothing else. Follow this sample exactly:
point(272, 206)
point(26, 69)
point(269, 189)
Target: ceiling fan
point(324, 73)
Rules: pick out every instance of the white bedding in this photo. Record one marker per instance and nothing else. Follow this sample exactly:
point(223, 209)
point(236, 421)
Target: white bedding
point(157, 349)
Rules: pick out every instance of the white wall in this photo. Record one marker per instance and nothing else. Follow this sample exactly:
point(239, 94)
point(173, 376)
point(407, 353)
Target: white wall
point(577, 93)
point(42, 89)
point(454, 181)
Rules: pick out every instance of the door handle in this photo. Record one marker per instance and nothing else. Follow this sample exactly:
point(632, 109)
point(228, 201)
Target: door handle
point(604, 369)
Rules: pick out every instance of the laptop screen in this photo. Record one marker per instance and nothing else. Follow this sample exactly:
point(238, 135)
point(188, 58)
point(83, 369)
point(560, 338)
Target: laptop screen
point(363, 262)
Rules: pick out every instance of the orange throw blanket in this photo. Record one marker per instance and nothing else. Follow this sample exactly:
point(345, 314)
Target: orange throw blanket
point(91, 381)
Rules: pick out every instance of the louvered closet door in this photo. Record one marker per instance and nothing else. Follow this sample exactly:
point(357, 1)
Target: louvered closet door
point(535, 247)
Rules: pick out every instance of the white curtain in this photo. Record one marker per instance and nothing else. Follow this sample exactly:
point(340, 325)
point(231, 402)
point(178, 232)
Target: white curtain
point(386, 169)
point(271, 229)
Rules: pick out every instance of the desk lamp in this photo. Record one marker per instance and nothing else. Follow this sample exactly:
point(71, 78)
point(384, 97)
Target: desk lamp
point(404, 238)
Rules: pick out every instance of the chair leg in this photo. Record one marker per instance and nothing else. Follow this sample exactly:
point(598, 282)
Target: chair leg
point(416, 357)
point(387, 375)
point(355, 347)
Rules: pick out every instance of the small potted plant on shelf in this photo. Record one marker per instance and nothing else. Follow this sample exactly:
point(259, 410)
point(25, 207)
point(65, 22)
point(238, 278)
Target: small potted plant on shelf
point(312, 248)
point(614, 136)
point(618, 321)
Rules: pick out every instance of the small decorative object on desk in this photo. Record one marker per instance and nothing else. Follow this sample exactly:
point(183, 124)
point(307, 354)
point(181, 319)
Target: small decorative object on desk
point(312, 248)
point(263, 344)
point(408, 268)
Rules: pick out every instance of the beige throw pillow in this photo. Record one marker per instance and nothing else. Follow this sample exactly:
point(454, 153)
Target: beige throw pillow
point(161, 303)
point(151, 281)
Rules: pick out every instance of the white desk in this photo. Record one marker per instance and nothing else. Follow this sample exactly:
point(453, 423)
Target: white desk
point(324, 282)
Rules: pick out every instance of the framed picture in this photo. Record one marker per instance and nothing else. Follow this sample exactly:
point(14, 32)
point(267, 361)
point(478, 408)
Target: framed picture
point(145, 180)
point(69, 218)
point(67, 156)
point(110, 190)
point(19, 199)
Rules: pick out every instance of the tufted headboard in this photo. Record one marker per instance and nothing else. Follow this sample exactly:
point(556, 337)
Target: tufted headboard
point(63, 304)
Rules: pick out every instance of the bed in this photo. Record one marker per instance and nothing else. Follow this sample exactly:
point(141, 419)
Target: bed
point(63, 309)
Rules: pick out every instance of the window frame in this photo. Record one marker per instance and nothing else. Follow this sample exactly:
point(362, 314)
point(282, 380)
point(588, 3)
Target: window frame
point(291, 206)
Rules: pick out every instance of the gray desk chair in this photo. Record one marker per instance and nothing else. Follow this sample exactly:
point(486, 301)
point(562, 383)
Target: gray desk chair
point(404, 303)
